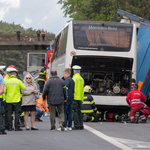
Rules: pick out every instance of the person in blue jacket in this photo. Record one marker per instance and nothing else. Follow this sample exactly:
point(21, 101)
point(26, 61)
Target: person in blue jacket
point(68, 104)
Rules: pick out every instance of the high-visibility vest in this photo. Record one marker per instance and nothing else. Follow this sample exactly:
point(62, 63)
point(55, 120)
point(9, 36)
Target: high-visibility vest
point(78, 87)
point(40, 103)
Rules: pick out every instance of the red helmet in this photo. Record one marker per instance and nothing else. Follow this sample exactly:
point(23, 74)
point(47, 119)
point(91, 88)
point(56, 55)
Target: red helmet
point(11, 68)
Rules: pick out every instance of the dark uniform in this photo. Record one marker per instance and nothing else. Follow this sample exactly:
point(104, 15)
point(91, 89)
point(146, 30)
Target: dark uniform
point(89, 109)
point(2, 115)
point(41, 79)
point(110, 116)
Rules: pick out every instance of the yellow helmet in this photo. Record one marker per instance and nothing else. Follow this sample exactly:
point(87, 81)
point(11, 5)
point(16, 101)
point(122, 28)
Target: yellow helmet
point(87, 89)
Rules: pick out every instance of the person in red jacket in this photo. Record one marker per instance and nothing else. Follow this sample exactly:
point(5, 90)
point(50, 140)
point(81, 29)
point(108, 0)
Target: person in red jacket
point(134, 99)
point(144, 112)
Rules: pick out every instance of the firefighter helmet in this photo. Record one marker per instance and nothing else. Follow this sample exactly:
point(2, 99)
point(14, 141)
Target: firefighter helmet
point(87, 89)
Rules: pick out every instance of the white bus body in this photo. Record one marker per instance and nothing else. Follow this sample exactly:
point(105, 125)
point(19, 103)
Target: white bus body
point(106, 51)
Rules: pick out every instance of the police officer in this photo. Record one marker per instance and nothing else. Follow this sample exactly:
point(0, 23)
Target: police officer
point(78, 98)
point(88, 107)
point(42, 78)
point(13, 98)
point(7, 77)
point(2, 120)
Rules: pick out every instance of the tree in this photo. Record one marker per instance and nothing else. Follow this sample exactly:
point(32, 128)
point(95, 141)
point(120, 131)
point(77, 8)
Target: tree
point(102, 10)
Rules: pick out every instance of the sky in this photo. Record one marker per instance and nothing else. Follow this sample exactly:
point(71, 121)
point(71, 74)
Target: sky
point(36, 14)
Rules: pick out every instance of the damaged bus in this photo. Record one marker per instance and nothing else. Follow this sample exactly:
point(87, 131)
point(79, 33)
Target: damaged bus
point(106, 51)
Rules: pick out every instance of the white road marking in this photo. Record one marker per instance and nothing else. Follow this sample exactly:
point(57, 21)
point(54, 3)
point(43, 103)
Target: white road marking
point(133, 143)
point(107, 138)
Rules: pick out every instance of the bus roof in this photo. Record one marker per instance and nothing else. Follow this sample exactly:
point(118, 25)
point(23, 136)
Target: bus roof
point(63, 28)
point(94, 22)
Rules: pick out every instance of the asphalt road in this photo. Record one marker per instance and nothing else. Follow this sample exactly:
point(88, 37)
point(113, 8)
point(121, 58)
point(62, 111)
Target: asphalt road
point(95, 136)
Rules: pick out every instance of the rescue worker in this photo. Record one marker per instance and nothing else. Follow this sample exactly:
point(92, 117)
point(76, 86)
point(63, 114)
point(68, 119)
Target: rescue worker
point(144, 112)
point(2, 112)
point(13, 98)
point(41, 107)
point(134, 99)
point(78, 98)
point(42, 78)
point(88, 107)
point(110, 116)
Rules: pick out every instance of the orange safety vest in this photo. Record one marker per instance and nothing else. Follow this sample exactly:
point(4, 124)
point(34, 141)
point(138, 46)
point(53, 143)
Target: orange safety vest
point(40, 103)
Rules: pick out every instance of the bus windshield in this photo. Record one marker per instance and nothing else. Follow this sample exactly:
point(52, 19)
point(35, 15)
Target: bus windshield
point(102, 36)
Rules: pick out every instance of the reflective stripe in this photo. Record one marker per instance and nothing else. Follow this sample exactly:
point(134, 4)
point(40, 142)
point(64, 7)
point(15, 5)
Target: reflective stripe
point(92, 102)
point(39, 103)
point(86, 102)
point(95, 109)
point(42, 73)
point(85, 97)
point(116, 117)
point(87, 111)
point(22, 114)
point(105, 115)
point(41, 79)
point(136, 100)
point(92, 119)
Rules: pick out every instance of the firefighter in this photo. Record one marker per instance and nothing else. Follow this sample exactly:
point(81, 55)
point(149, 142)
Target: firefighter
point(134, 99)
point(41, 107)
point(42, 78)
point(13, 98)
point(2, 111)
point(110, 116)
point(88, 107)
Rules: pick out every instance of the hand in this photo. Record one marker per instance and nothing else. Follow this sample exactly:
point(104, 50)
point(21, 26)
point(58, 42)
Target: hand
point(65, 100)
point(48, 112)
point(32, 90)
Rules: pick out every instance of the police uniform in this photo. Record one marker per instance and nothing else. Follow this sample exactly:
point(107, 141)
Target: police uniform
point(41, 79)
point(78, 98)
point(13, 98)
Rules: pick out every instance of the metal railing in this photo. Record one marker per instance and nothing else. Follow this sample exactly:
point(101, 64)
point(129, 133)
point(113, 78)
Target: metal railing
point(25, 37)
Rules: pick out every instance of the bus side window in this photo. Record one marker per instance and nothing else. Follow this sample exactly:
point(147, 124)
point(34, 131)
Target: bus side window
point(57, 45)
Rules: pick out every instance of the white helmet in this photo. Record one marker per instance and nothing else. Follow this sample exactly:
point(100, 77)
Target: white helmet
point(87, 89)
point(1, 68)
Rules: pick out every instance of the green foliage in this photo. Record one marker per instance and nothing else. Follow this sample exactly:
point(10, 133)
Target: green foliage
point(18, 58)
point(8, 28)
point(103, 10)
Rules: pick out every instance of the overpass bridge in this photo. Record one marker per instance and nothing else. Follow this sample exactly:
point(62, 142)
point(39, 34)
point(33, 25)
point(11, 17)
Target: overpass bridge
point(27, 42)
